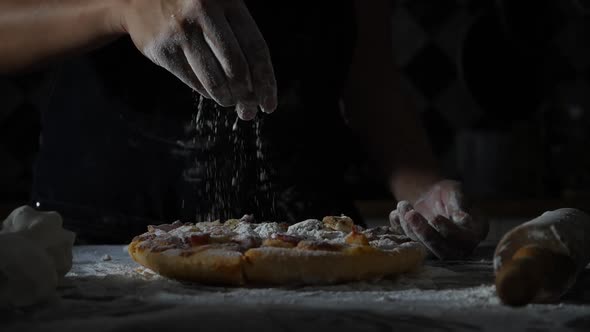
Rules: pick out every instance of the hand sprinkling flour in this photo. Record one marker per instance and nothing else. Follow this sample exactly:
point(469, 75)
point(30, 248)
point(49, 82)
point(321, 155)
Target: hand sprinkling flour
point(214, 47)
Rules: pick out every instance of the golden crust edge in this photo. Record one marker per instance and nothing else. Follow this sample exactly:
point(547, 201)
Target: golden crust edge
point(254, 267)
point(260, 263)
point(215, 266)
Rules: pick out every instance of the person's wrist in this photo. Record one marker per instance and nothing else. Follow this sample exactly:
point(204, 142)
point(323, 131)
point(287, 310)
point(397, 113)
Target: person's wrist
point(115, 22)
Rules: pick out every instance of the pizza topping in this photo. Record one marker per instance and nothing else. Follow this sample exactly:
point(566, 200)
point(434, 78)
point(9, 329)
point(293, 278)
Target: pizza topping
point(231, 223)
point(183, 230)
point(247, 242)
point(165, 227)
point(308, 227)
point(314, 229)
point(396, 238)
point(218, 232)
point(268, 229)
point(145, 237)
point(342, 223)
point(384, 244)
point(331, 228)
point(208, 226)
point(333, 236)
point(246, 229)
point(374, 233)
point(221, 237)
point(389, 241)
point(356, 238)
point(164, 242)
point(199, 239)
point(319, 245)
point(333, 233)
point(281, 241)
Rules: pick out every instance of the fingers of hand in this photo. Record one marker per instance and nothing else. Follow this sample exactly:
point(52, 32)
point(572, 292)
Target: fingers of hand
point(450, 230)
point(443, 198)
point(207, 69)
point(214, 47)
point(394, 222)
point(430, 204)
point(403, 208)
point(175, 62)
point(439, 245)
point(458, 238)
point(222, 41)
point(441, 236)
point(476, 227)
point(424, 233)
point(257, 55)
point(455, 203)
point(246, 112)
point(457, 207)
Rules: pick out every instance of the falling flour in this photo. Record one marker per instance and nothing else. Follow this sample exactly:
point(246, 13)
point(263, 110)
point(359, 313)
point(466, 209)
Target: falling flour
point(232, 169)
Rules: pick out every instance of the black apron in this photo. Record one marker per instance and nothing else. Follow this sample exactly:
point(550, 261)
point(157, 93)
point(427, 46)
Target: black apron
point(121, 146)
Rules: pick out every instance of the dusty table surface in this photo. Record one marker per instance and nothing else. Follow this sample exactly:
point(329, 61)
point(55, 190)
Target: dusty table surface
point(107, 291)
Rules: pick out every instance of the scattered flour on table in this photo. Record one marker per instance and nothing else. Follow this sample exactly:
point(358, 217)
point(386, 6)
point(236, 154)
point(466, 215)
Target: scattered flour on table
point(122, 279)
point(117, 295)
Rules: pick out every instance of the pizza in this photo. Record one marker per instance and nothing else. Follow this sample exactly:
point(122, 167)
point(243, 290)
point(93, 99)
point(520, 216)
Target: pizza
point(241, 252)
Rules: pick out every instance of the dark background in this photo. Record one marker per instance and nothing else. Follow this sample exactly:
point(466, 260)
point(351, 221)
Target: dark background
point(503, 88)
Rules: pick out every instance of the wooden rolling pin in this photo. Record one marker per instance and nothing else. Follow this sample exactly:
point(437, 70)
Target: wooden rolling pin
point(538, 261)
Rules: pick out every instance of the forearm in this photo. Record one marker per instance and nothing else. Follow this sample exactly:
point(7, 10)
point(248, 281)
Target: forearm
point(389, 126)
point(383, 114)
point(398, 144)
point(37, 31)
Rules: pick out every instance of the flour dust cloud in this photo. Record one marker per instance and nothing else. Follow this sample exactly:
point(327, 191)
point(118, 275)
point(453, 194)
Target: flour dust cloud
point(231, 163)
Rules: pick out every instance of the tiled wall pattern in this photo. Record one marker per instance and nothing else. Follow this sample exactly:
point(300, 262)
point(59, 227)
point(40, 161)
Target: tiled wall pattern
point(441, 46)
point(503, 89)
point(428, 38)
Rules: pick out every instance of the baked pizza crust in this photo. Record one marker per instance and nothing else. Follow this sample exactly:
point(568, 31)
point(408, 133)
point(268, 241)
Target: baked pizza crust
point(214, 264)
point(273, 265)
point(310, 252)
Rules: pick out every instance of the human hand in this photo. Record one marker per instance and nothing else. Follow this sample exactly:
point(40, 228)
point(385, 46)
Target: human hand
point(213, 46)
point(439, 220)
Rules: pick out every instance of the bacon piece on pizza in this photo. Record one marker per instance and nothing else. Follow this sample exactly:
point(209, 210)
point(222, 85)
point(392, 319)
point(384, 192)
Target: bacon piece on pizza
point(341, 223)
point(356, 238)
point(281, 241)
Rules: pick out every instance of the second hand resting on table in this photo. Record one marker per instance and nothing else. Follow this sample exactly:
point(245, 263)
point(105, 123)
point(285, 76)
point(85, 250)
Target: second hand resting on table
point(439, 220)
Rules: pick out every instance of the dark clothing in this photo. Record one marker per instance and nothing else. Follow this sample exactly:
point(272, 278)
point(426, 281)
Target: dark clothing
point(121, 146)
